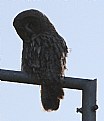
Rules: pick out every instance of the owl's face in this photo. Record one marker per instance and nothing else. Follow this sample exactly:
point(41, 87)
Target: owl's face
point(30, 22)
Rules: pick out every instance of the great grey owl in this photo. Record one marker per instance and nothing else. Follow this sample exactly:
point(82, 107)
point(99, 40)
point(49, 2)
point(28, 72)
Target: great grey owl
point(44, 54)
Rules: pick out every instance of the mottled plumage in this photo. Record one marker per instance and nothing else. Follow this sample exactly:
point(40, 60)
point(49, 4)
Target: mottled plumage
point(44, 54)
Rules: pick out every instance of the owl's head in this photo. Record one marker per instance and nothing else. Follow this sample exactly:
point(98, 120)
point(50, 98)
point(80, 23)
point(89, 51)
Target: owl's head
point(31, 22)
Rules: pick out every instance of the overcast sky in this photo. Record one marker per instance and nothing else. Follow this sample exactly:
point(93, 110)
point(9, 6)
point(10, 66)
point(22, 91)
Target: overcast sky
point(81, 23)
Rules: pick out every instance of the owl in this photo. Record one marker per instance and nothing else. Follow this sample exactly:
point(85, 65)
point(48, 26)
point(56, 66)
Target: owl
point(44, 55)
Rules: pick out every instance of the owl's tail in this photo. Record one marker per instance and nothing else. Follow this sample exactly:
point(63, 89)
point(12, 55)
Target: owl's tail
point(51, 95)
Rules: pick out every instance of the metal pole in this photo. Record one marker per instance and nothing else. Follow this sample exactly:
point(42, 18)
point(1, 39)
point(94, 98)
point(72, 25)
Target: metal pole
point(87, 86)
point(89, 101)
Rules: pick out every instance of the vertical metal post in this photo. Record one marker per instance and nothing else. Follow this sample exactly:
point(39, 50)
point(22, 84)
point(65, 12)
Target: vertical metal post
point(89, 101)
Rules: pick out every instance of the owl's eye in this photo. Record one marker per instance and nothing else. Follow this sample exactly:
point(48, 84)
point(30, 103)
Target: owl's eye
point(28, 28)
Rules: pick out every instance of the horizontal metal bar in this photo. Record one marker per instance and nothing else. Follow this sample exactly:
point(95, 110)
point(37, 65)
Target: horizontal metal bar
point(22, 77)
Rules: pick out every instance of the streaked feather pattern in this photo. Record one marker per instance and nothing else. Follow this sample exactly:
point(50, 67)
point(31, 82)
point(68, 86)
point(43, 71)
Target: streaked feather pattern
point(44, 55)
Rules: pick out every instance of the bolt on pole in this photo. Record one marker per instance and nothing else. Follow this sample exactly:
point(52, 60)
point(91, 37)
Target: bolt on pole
point(88, 87)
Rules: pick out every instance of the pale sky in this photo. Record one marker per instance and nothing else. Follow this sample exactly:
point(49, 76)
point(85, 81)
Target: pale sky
point(81, 24)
